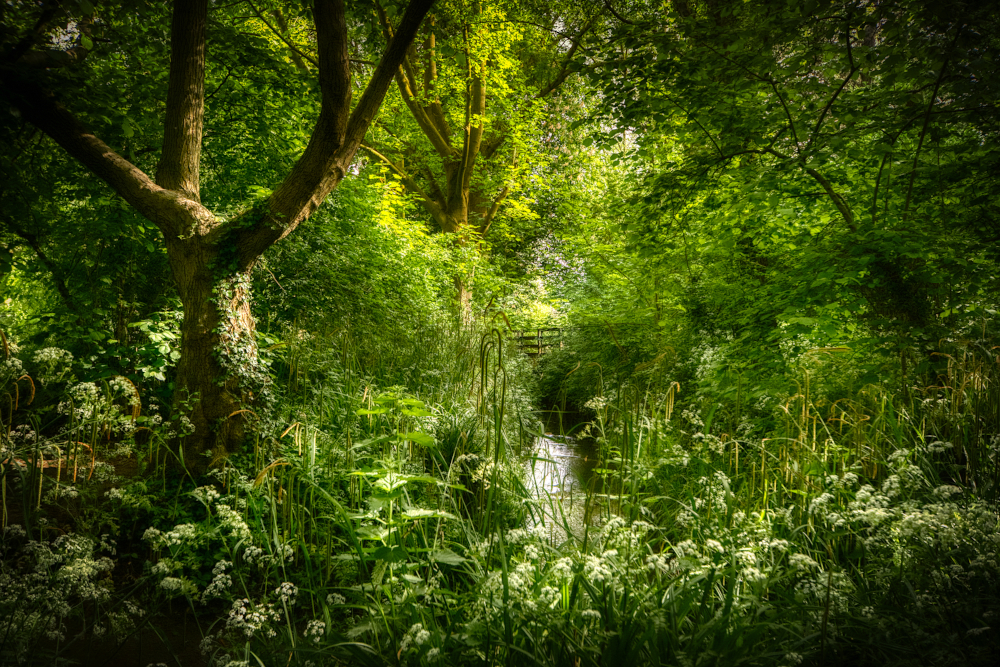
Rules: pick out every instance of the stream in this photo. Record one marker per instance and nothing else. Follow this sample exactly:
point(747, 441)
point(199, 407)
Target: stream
point(559, 476)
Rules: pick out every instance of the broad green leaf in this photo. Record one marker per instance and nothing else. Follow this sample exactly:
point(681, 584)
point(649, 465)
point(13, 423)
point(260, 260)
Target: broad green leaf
point(446, 556)
point(421, 439)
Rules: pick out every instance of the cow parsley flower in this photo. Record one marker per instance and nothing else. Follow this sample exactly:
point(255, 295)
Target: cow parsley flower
point(315, 631)
point(287, 592)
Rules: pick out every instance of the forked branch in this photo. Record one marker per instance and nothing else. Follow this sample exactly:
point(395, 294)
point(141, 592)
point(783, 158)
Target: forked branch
point(338, 132)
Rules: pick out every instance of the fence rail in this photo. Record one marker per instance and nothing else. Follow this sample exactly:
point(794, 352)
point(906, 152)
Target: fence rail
point(538, 342)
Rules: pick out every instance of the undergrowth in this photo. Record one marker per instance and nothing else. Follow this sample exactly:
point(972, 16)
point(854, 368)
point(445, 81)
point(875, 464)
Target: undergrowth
point(383, 515)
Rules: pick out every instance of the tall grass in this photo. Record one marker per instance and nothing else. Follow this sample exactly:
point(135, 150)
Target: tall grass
point(842, 510)
point(384, 515)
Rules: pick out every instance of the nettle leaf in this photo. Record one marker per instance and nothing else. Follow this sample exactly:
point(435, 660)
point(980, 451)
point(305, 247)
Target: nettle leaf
point(394, 554)
point(391, 482)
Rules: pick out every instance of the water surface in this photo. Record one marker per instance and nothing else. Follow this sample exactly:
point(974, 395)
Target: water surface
point(560, 474)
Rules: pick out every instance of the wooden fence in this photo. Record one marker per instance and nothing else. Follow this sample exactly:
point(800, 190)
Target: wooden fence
point(538, 342)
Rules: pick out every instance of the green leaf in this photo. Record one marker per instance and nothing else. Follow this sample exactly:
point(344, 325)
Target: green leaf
point(421, 439)
point(395, 554)
point(391, 482)
point(446, 556)
point(376, 411)
point(412, 402)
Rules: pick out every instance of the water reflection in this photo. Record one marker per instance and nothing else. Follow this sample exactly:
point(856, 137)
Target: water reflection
point(560, 475)
point(562, 464)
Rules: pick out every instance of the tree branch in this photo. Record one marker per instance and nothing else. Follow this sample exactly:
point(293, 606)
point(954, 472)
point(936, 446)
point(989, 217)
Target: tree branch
point(843, 84)
point(476, 126)
point(173, 213)
point(298, 56)
point(438, 139)
point(564, 70)
point(490, 214)
point(337, 135)
point(791, 123)
point(181, 157)
point(434, 110)
point(436, 209)
point(492, 145)
point(698, 123)
point(838, 199)
point(607, 5)
point(923, 130)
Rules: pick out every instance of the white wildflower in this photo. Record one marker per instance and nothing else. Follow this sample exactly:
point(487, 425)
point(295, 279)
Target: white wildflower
point(802, 562)
point(562, 569)
point(233, 523)
point(250, 618)
point(11, 369)
point(818, 503)
point(315, 631)
point(287, 592)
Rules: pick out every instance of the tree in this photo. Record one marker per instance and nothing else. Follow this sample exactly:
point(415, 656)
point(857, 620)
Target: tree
point(471, 92)
point(210, 256)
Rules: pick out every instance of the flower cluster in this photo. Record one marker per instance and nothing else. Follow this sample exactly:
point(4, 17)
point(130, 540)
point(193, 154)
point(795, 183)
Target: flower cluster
point(11, 369)
point(248, 618)
point(110, 409)
point(287, 592)
point(55, 364)
point(43, 584)
point(415, 636)
point(314, 631)
point(222, 582)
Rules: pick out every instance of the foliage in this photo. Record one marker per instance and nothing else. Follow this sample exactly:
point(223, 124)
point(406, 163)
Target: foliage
point(763, 233)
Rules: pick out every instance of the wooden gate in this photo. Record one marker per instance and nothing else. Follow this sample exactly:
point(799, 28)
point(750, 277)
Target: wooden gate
point(538, 342)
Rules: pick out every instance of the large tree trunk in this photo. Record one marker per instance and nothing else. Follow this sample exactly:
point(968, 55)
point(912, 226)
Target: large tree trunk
point(219, 375)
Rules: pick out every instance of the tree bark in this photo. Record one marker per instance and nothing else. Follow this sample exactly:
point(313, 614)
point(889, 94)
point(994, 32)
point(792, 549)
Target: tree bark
point(219, 373)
